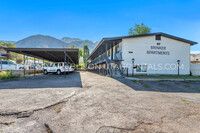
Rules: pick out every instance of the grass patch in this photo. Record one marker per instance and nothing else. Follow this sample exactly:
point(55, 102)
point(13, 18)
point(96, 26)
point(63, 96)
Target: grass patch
point(146, 86)
point(177, 83)
point(187, 85)
point(198, 89)
point(135, 81)
point(25, 77)
point(166, 77)
point(4, 75)
point(185, 101)
point(58, 111)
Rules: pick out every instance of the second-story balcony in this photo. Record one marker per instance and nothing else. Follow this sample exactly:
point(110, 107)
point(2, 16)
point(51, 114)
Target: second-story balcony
point(117, 56)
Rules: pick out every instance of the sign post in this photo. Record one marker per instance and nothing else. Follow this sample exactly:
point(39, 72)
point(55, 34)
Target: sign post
point(178, 61)
point(133, 60)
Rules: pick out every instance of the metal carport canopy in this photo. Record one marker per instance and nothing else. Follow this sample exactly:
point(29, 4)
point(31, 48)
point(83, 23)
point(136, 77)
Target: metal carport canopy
point(50, 54)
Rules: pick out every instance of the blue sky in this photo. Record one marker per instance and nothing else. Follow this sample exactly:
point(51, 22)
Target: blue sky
point(95, 19)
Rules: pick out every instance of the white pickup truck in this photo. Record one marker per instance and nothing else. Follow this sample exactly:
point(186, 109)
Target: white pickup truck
point(57, 68)
point(8, 65)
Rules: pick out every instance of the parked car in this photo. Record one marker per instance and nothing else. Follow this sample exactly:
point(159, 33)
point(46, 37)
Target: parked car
point(8, 65)
point(34, 66)
point(21, 66)
point(58, 68)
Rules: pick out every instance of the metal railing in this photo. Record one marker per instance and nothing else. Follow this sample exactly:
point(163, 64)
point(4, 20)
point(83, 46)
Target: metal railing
point(102, 58)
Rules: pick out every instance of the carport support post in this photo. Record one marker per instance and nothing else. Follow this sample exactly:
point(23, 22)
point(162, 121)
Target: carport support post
point(99, 62)
point(34, 66)
point(65, 62)
point(106, 59)
point(68, 65)
point(1, 60)
point(24, 66)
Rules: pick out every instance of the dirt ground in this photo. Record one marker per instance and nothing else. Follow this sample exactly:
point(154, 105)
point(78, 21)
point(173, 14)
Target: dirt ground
point(86, 103)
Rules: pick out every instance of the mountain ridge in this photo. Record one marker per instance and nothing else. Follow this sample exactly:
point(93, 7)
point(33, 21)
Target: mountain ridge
point(40, 41)
point(46, 41)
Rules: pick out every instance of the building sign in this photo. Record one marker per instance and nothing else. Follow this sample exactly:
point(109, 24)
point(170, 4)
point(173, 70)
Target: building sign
point(160, 50)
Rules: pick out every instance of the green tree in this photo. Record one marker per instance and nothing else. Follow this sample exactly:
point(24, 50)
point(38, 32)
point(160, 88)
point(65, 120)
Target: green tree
point(139, 29)
point(80, 51)
point(86, 53)
point(11, 45)
point(7, 44)
point(19, 59)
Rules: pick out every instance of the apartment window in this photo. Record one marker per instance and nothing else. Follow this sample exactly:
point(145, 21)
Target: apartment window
point(141, 68)
point(158, 37)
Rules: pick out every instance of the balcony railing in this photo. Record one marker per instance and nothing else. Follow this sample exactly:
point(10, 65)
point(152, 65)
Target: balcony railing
point(102, 58)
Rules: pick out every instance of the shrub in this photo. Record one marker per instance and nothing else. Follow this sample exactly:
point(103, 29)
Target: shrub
point(187, 85)
point(19, 60)
point(7, 75)
point(190, 73)
point(146, 86)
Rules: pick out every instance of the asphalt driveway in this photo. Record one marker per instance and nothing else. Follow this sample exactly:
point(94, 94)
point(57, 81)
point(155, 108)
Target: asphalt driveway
point(44, 81)
point(105, 104)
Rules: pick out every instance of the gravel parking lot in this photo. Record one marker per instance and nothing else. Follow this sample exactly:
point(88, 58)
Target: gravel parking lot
point(87, 102)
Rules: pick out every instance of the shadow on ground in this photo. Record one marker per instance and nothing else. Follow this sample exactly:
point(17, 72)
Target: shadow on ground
point(162, 86)
point(44, 81)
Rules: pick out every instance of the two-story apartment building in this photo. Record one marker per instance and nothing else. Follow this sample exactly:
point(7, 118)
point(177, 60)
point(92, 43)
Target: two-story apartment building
point(153, 53)
point(195, 58)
